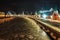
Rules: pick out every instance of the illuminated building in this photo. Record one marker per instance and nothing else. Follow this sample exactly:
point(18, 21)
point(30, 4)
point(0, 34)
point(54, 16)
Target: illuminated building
point(55, 15)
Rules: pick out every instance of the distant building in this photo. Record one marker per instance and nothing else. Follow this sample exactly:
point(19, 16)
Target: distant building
point(2, 14)
point(54, 16)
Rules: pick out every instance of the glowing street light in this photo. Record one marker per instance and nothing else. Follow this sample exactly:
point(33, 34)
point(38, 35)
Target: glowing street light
point(44, 16)
point(51, 16)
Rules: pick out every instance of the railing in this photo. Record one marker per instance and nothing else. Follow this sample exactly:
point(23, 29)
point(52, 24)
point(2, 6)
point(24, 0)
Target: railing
point(53, 32)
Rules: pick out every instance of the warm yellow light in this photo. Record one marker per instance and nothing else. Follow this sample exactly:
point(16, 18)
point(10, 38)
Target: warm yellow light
point(51, 16)
point(59, 16)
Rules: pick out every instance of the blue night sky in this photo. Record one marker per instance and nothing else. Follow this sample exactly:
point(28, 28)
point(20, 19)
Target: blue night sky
point(28, 5)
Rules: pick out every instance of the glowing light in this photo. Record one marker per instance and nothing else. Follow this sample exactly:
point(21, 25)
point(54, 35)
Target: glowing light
point(44, 15)
point(59, 15)
point(51, 16)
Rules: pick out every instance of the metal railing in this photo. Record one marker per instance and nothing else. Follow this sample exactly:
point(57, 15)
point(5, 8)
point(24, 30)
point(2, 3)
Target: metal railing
point(53, 32)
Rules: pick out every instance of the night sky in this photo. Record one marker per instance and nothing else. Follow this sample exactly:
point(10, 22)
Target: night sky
point(28, 5)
